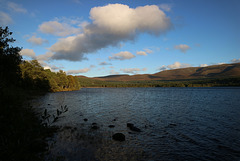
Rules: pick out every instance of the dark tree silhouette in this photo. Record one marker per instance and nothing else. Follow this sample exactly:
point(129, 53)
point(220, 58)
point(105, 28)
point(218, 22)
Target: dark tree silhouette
point(9, 60)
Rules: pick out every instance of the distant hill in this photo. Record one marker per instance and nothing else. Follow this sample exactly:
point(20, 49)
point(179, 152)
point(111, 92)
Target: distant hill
point(214, 71)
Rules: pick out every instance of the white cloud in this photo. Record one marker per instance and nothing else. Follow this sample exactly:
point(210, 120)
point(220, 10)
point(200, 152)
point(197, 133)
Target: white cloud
point(147, 51)
point(124, 55)
point(182, 47)
point(85, 70)
point(203, 65)
point(5, 19)
point(235, 60)
point(133, 70)
point(104, 63)
point(141, 53)
point(166, 7)
point(36, 40)
point(58, 29)
point(53, 68)
point(120, 19)
point(45, 57)
point(163, 67)
point(28, 52)
point(177, 65)
point(16, 8)
point(111, 25)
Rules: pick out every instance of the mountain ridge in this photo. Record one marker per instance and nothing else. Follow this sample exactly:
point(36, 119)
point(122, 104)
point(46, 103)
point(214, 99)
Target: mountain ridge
point(213, 71)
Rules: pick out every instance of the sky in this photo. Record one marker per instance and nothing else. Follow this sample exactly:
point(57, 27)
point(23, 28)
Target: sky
point(106, 37)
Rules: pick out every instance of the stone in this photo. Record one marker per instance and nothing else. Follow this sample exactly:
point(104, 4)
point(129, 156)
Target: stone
point(111, 126)
point(119, 137)
point(94, 127)
point(85, 119)
point(130, 125)
point(133, 128)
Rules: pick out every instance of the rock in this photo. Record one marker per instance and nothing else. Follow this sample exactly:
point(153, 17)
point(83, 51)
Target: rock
point(171, 125)
point(111, 126)
point(94, 123)
point(133, 128)
point(85, 119)
point(119, 137)
point(94, 127)
point(130, 125)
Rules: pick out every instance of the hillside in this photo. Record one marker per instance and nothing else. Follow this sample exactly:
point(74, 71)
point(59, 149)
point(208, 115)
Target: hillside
point(211, 72)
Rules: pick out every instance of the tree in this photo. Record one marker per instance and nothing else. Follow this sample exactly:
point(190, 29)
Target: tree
point(63, 80)
point(10, 59)
point(34, 75)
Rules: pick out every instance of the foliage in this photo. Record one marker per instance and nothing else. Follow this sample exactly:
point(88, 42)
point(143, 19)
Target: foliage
point(9, 60)
point(35, 77)
point(217, 82)
point(48, 119)
point(23, 134)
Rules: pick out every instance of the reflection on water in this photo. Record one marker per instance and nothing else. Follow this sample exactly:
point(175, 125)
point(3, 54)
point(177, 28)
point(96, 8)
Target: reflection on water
point(175, 124)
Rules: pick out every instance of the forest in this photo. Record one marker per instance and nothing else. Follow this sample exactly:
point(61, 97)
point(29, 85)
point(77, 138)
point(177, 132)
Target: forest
point(217, 82)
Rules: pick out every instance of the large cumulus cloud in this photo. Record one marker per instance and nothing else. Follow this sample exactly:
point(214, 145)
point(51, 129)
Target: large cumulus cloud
point(111, 25)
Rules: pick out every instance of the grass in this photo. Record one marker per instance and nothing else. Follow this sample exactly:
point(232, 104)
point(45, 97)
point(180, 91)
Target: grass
point(22, 134)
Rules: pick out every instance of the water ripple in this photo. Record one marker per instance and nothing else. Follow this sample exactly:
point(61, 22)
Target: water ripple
point(176, 123)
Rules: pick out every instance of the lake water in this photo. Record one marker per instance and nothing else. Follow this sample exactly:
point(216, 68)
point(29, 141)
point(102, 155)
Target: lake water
point(175, 123)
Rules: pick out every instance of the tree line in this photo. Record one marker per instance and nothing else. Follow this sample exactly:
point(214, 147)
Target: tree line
point(217, 82)
point(34, 76)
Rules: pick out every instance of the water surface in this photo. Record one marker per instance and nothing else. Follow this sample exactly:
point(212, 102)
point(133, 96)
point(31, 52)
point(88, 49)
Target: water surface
point(176, 123)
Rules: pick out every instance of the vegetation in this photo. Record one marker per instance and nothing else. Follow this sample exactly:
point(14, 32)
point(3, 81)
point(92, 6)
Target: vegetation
point(23, 134)
point(217, 82)
point(35, 77)
point(29, 74)
point(9, 60)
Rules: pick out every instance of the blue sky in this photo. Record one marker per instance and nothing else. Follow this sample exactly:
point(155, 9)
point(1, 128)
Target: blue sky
point(98, 38)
